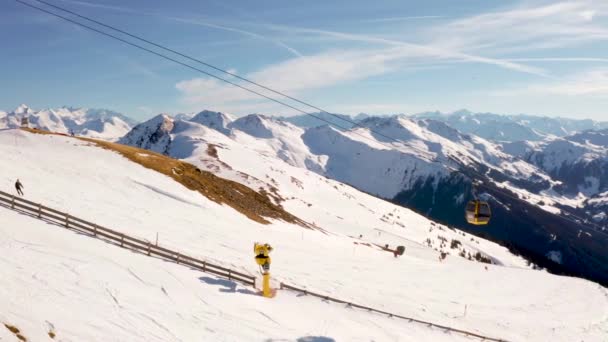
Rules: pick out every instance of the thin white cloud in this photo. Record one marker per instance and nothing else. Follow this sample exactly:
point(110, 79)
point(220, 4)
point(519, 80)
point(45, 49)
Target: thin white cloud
point(199, 22)
point(588, 15)
point(104, 6)
point(298, 75)
point(293, 76)
point(433, 51)
point(236, 30)
point(475, 39)
point(590, 83)
point(397, 19)
point(560, 59)
point(526, 28)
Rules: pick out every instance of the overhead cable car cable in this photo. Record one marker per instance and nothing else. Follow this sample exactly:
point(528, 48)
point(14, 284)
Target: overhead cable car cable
point(238, 85)
point(582, 223)
point(222, 79)
point(218, 77)
point(208, 65)
point(599, 228)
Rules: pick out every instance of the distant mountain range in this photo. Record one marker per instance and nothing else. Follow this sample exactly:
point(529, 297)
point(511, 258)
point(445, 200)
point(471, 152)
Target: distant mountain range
point(428, 165)
point(511, 128)
point(495, 127)
point(533, 167)
point(94, 123)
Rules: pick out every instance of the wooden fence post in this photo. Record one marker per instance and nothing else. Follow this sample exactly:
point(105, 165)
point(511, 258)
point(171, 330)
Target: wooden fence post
point(94, 230)
point(67, 220)
point(13, 202)
point(122, 239)
point(148, 247)
point(39, 210)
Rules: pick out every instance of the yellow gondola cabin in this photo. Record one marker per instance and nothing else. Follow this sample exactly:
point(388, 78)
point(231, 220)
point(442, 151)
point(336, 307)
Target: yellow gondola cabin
point(478, 212)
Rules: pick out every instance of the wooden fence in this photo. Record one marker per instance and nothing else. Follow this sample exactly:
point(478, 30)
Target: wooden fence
point(122, 239)
point(147, 248)
point(353, 305)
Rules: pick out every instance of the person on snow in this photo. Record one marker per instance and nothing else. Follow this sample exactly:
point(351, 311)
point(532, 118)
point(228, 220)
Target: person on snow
point(19, 187)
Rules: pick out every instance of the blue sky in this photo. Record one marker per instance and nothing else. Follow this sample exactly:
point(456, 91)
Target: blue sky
point(346, 56)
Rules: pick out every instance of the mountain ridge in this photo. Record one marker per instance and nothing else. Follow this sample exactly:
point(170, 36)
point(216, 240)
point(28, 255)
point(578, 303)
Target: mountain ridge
point(94, 123)
point(416, 168)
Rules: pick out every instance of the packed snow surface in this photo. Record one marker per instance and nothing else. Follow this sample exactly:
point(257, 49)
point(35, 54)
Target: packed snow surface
point(87, 290)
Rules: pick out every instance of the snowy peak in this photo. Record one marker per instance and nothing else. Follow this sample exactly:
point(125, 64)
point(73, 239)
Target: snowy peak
point(509, 128)
point(396, 127)
point(428, 136)
point(163, 121)
point(322, 119)
point(94, 123)
point(405, 128)
point(444, 130)
point(486, 125)
point(597, 138)
point(254, 125)
point(22, 109)
point(153, 134)
point(579, 162)
point(261, 126)
point(215, 120)
point(106, 115)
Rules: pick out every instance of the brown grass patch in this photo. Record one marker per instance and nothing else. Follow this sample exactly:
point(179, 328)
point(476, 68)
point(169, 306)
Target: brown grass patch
point(254, 205)
point(362, 243)
point(52, 335)
point(15, 331)
point(12, 328)
point(212, 151)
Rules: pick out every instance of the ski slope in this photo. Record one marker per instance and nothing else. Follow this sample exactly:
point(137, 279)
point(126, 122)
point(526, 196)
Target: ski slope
point(85, 290)
point(89, 290)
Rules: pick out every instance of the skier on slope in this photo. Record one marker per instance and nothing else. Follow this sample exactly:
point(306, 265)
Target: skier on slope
point(19, 187)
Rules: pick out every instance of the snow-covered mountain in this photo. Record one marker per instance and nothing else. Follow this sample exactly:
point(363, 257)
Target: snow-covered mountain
point(322, 119)
point(569, 153)
point(152, 135)
point(93, 123)
point(421, 163)
point(581, 167)
point(112, 292)
point(510, 128)
point(579, 162)
point(216, 120)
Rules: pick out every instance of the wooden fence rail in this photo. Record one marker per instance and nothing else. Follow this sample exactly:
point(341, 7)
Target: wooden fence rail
point(147, 248)
point(124, 240)
point(353, 305)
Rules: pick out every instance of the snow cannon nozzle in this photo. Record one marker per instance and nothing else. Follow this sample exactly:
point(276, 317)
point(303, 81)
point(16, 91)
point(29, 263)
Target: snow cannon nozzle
point(262, 255)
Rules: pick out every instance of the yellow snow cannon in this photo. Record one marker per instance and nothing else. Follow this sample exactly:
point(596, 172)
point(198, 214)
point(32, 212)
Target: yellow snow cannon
point(262, 258)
